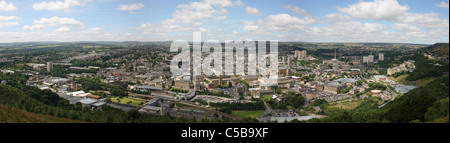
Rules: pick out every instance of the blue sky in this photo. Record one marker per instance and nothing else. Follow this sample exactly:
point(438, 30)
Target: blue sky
point(404, 21)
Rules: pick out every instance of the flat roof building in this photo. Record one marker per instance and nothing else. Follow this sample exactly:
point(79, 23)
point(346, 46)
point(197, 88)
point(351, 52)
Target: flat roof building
point(49, 66)
point(333, 88)
point(87, 102)
point(148, 88)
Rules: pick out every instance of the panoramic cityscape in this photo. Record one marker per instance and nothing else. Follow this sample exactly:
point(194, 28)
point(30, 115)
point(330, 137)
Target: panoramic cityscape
point(224, 61)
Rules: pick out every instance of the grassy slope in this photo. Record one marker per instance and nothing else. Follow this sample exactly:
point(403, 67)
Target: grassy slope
point(421, 82)
point(425, 81)
point(13, 115)
point(399, 79)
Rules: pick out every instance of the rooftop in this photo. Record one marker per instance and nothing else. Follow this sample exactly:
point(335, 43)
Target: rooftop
point(346, 80)
point(333, 84)
point(380, 76)
point(148, 87)
point(98, 104)
point(87, 101)
point(405, 88)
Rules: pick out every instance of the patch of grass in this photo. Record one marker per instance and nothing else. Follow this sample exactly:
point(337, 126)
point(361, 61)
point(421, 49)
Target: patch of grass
point(347, 105)
point(250, 114)
point(289, 107)
point(125, 100)
point(13, 115)
point(28, 64)
point(400, 79)
point(425, 81)
point(266, 97)
point(45, 46)
point(421, 82)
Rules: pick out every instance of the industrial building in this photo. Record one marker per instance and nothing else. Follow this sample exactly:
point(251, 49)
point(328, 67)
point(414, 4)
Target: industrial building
point(334, 88)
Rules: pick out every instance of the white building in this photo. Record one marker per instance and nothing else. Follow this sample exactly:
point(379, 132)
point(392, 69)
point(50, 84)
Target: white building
point(300, 54)
point(49, 66)
point(370, 58)
point(365, 59)
point(381, 56)
point(76, 93)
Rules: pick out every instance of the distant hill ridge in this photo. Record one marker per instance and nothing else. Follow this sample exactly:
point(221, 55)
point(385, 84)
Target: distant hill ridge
point(438, 49)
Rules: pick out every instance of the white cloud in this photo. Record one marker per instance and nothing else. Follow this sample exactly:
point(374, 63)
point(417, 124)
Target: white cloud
point(224, 3)
point(56, 21)
point(197, 11)
point(276, 24)
point(249, 26)
point(424, 20)
point(238, 3)
point(253, 11)
point(443, 4)
point(34, 27)
point(9, 18)
point(285, 23)
point(188, 17)
point(345, 25)
point(167, 26)
point(203, 30)
point(335, 17)
point(130, 7)
point(67, 35)
point(353, 28)
point(59, 5)
point(406, 27)
point(8, 24)
point(95, 30)
point(4, 21)
point(297, 10)
point(391, 10)
point(162, 27)
point(4, 6)
point(378, 9)
point(198, 23)
point(349, 31)
point(62, 30)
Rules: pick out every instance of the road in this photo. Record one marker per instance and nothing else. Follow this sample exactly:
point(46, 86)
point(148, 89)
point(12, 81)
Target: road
point(230, 90)
point(392, 94)
point(268, 111)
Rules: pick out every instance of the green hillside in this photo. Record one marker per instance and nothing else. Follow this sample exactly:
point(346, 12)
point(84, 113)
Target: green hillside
point(438, 49)
point(13, 115)
point(428, 104)
point(22, 103)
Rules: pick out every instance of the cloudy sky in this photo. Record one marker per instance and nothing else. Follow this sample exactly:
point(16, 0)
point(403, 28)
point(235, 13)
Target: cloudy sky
point(402, 21)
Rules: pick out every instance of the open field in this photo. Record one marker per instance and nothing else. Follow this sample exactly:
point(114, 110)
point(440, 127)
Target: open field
point(347, 105)
point(250, 114)
point(125, 100)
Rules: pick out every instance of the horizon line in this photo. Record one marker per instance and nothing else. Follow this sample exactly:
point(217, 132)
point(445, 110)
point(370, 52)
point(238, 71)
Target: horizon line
point(220, 42)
